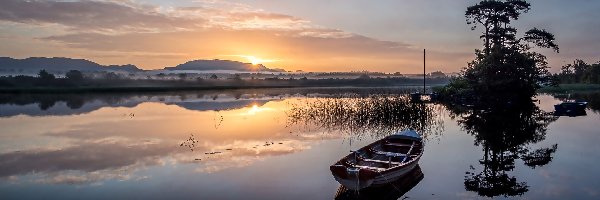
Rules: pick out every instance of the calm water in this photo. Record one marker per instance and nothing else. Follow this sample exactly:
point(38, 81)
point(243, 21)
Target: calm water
point(279, 144)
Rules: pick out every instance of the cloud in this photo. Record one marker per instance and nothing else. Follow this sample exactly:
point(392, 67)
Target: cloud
point(320, 49)
point(105, 16)
point(154, 37)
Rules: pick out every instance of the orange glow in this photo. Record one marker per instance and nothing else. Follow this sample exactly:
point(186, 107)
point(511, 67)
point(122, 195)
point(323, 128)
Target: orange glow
point(255, 60)
point(255, 109)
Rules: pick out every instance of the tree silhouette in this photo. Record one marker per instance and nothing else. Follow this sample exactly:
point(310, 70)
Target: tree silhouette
point(495, 16)
point(74, 75)
point(44, 75)
point(506, 65)
point(580, 72)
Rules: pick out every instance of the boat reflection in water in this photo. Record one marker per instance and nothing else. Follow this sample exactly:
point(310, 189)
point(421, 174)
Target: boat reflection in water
point(394, 190)
point(570, 113)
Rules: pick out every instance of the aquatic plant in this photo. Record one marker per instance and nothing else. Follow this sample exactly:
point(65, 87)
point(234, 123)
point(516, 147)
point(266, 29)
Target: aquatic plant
point(374, 115)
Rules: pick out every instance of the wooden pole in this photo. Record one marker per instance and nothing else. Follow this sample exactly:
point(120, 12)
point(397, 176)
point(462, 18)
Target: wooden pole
point(424, 72)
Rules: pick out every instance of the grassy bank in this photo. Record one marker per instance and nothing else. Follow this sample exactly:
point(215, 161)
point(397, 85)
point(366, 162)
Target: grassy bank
point(563, 88)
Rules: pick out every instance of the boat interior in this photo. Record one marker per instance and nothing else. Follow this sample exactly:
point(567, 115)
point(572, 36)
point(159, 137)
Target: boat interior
point(384, 154)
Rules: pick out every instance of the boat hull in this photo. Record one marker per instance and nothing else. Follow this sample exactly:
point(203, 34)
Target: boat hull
point(393, 175)
point(570, 106)
point(570, 109)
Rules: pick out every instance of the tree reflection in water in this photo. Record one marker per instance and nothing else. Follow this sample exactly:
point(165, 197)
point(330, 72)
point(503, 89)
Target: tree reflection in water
point(373, 115)
point(504, 132)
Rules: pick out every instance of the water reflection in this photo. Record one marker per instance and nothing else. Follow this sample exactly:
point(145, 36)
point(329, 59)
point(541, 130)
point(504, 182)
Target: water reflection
point(93, 138)
point(390, 191)
point(505, 133)
point(375, 115)
point(70, 104)
point(107, 144)
point(246, 146)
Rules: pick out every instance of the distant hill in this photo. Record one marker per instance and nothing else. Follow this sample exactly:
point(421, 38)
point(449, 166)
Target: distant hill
point(58, 65)
point(206, 65)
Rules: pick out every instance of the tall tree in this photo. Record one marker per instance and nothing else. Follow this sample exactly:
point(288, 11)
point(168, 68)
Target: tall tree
point(495, 17)
point(506, 68)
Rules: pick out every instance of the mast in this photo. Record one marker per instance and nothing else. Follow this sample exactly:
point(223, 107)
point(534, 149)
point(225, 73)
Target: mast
point(424, 71)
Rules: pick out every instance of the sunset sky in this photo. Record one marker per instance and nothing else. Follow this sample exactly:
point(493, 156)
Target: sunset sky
point(310, 35)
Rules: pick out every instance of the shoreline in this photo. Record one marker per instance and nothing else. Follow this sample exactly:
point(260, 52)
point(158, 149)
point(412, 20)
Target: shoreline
point(127, 89)
point(573, 87)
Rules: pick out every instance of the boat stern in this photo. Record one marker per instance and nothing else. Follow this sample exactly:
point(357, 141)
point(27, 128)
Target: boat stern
point(353, 178)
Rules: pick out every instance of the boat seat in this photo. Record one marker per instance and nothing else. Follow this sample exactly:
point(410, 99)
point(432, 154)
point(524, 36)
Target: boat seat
point(389, 154)
point(397, 144)
point(352, 165)
point(383, 161)
point(371, 168)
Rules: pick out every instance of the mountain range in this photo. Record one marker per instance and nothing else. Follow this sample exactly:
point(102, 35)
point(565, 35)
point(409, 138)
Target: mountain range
point(203, 65)
point(56, 64)
point(61, 65)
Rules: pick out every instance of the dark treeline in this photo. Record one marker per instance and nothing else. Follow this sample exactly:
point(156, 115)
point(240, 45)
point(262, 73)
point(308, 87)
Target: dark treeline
point(76, 81)
point(579, 72)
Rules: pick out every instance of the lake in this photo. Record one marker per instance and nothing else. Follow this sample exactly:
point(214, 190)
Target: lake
point(279, 144)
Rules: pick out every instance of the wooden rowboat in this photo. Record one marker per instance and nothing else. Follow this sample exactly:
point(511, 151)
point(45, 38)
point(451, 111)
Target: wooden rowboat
point(381, 162)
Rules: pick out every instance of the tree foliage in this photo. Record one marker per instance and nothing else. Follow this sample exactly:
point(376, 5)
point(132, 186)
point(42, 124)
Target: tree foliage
point(506, 67)
point(44, 75)
point(74, 75)
point(580, 72)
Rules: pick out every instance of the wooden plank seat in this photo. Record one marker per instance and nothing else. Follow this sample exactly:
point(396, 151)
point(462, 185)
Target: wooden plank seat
point(352, 165)
point(397, 144)
point(387, 153)
point(382, 161)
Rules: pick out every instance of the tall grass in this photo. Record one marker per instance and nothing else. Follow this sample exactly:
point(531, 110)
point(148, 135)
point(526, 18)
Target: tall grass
point(373, 115)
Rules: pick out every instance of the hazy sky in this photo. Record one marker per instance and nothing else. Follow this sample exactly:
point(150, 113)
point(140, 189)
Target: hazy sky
point(312, 35)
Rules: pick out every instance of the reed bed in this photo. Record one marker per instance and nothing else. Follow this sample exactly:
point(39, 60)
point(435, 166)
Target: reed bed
point(373, 115)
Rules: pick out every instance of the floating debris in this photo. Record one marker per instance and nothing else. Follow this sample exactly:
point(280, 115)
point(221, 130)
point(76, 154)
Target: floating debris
point(190, 142)
point(218, 120)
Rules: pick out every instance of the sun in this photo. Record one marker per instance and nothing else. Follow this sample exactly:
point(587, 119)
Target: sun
point(254, 60)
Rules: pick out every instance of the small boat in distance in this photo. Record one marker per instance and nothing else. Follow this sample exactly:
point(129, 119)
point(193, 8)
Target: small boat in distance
point(381, 162)
point(570, 108)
